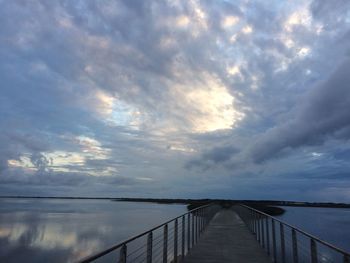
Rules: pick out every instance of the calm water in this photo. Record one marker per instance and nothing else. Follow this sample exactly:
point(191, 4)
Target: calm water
point(329, 224)
point(61, 230)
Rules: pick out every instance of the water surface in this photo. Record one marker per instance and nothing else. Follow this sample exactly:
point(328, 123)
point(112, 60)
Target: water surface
point(329, 224)
point(65, 230)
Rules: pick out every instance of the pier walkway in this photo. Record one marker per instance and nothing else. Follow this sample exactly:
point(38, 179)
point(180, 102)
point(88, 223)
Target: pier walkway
point(227, 239)
point(211, 234)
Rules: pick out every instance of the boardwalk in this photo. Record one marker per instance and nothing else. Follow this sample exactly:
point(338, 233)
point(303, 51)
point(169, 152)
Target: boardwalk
point(227, 239)
point(224, 238)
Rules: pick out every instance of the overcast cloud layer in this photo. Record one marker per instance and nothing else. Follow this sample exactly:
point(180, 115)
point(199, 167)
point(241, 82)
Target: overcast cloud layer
point(227, 99)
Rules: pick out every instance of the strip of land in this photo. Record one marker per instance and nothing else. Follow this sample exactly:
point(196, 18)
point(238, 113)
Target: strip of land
point(193, 203)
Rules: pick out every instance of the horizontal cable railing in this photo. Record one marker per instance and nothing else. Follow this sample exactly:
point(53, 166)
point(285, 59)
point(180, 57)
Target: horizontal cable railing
point(286, 243)
point(168, 242)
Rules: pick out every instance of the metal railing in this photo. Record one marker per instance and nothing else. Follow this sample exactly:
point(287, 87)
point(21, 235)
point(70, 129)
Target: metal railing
point(168, 242)
point(286, 243)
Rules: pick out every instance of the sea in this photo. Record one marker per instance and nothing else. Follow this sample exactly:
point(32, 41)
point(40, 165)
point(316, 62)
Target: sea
point(68, 230)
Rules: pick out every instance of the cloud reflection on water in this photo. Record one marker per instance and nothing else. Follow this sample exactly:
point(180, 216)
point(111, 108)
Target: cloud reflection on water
point(68, 230)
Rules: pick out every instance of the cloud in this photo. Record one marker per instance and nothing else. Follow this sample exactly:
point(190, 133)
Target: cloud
point(40, 161)
point(62, 179)
point(321, 115)
point(132, 90)
point(323, 112)
point(215, 156)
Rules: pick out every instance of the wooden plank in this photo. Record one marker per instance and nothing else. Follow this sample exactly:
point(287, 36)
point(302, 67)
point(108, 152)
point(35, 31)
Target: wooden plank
point(227, 239)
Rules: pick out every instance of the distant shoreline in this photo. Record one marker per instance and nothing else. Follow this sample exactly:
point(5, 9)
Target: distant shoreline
point(196, 201)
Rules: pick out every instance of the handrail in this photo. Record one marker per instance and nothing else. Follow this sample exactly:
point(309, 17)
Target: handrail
point(121, 244)
point(299, 230)
point(288, 246)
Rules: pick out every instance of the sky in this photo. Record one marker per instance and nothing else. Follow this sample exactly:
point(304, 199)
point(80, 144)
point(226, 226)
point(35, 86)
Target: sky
point(189, 99)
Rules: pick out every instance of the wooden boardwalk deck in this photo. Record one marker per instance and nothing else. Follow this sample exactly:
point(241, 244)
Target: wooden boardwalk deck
point(227, 239)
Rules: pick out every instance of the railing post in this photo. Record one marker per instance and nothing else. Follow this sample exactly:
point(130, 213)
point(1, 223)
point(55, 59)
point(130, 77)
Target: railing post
point(202, 222)
point(283, 249)
point(207, 216)
point(262, 231)
point(165, 244)
point(175, 240)
point(274, 240)
point(193, 222)
point(254, 223)
point(200, 218)
point(267, 235)
point(122, 254)
point(258, 225)
point(313, 249)
point(183, 238)
point(149, 247)
point(196, 226)
point(188, 232)
point(204, 217)
point(251, 221)
point(295, 246)
point(199, 223)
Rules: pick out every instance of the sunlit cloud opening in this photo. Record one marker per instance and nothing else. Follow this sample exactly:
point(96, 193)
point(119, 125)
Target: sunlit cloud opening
point(66, 161)
point(23, 162)
point(235, 71)
point(181, 148)
point(214, 106)
point(56, 161)
point(229, 21)
point(233, 38)
point(124, 114)
point(199, 18)
point(62, 158)
point(105, 103)
point(117, 112)
point(289, 43)
point(247, 30)
point(301, 17)
point(182, 21)
point(304, 51)
point(316, 155)
point(92, 147)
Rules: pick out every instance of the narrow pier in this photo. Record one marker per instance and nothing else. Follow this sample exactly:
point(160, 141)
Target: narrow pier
point(209, 234)
point(227, 239)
